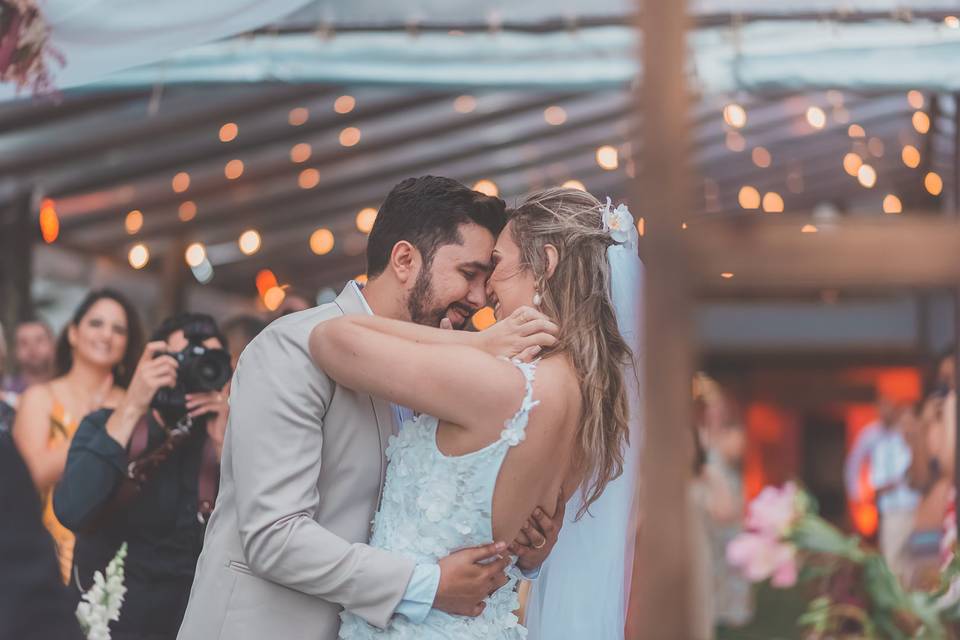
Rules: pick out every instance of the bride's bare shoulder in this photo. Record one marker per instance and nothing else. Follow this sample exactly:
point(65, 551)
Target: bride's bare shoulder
point(556, 387)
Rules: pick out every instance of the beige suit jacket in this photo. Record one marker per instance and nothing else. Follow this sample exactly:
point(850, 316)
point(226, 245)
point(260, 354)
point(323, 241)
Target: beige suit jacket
point(301, 475)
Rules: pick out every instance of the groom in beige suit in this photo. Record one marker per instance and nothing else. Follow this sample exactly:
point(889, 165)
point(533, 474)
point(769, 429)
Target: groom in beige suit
point(304, 458)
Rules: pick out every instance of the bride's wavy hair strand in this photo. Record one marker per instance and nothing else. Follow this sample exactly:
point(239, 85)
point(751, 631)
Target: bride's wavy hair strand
point(577, 297)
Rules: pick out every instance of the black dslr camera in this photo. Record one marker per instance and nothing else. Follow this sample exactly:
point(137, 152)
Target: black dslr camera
point(200, 369)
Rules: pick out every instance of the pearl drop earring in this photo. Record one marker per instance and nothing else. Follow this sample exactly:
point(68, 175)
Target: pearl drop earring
point(537, 299)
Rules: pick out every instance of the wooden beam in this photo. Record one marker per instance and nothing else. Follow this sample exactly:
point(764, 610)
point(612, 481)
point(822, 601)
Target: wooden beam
point(661, 606)
point(764, 252)
point(17, 237)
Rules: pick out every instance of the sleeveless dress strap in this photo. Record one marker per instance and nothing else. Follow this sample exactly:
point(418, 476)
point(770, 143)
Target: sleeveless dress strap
point(515, 429)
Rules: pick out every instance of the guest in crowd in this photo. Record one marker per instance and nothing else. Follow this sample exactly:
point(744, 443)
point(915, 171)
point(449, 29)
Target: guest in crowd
point(34, 604)
point(7, 400)
point(172, 442)
point(95, 357)
point(294, 301)
point(239, 331)
point(897, 501)
point(33, 356)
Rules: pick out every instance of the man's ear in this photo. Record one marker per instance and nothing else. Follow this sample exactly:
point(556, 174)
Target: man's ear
point(553, 257)
point(405, 261)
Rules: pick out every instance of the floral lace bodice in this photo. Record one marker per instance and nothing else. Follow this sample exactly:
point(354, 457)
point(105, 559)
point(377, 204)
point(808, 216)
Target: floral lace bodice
point(434, 504)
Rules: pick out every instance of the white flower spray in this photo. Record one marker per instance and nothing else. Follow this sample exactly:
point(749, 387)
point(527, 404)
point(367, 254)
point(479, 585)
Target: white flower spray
point(101, 604)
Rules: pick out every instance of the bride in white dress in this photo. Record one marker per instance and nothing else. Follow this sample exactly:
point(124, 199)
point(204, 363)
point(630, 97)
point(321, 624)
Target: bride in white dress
point(494, 439)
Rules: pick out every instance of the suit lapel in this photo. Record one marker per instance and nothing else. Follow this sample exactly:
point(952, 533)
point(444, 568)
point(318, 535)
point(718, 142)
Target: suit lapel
point(350, 302)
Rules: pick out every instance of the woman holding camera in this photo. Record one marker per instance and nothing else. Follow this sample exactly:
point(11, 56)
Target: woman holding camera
point(95, 356)
point(146, 474)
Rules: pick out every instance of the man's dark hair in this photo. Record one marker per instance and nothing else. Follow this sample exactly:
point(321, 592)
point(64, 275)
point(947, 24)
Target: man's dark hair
point(195, 326)
point(427, 212)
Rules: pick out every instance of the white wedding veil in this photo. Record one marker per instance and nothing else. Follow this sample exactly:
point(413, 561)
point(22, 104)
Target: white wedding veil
point(584, 585)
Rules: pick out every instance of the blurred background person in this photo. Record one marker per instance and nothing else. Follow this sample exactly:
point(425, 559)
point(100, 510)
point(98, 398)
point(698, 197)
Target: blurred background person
point(168, 428)
point(95, 357)
point(34, 604)
point(294, 301)
point(718, 475)
point(897, 501)
point(7, 400)
point(33, 355)
point(239, 331)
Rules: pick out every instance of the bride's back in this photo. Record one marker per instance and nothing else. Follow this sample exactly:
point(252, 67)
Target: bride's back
point(542, 465)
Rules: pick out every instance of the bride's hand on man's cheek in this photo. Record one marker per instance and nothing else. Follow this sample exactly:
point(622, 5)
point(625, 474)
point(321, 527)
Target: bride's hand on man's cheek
point(523, 334)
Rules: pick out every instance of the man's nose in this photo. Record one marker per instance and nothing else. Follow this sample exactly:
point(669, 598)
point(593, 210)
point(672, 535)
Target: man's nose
point(477, 295)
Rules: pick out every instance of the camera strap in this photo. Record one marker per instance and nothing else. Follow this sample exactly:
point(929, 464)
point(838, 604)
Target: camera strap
point(144, 464)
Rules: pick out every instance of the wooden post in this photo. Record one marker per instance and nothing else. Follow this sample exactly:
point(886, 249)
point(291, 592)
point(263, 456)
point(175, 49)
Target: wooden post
point(956, 295)
point(17, 236)
point(173, 280)
point(661, 607)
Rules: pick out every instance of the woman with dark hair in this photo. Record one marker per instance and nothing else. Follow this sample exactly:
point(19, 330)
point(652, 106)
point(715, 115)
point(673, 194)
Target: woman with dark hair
point(146, 471)
point(95, 357)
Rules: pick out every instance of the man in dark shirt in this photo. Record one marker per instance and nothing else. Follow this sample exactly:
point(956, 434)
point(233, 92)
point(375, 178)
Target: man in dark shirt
point(163, 523)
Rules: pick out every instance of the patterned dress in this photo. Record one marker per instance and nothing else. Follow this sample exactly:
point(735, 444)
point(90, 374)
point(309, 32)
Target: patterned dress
point(433, 505)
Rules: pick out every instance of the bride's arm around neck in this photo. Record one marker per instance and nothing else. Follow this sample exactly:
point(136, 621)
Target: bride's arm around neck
point(438, 372)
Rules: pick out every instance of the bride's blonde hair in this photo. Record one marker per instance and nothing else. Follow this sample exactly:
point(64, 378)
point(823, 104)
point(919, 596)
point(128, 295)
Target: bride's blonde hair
point(577, 297)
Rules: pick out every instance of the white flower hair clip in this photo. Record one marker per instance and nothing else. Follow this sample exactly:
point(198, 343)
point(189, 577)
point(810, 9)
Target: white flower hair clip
point(619, 223)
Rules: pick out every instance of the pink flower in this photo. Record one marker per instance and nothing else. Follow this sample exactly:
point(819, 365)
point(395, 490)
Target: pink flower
point(759, 557)
point(773, 511)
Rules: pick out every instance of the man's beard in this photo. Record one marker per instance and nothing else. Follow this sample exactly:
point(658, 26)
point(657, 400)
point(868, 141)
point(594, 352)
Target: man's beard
point(421, 307)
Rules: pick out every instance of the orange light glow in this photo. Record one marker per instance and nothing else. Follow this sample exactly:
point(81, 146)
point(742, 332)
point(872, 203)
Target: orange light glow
point(49, 221)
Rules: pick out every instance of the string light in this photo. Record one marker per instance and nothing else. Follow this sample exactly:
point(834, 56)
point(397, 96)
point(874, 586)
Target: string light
point(910, 156)
point(952, 22)
point(308, 178)
point(735, 115)
point(265, 280)
point(726, 275)
point(933, 183)
point(187, 211)
point(360, 279)
point(138, 256)
point(921, 122)
point(856, 131)
point(344, 104)
point(555, 115)
point(841, 115)
point(749, 197)
point(180, 182)
point(809, 228)
point(365, 219)
point(49, 221)
point(273, 298)
point(133, 222)
point(772, 202)
point(465, 104)
point(608, 158)
point(483, 319)
point(641, 227)
point(852, 163)
point(915, 99)
point(300, 152)
point(195, 255)
point(249, 242)
point(233, 169)
point(892, 204)
point(761, 157)
point(867, 176)
point(875, 146)
point(350, 136)
point(298, 116)
point(321, 242)
point(486, 187)
point(735, 141)
point(228, 132)
point(816, 117)
point(574, 184)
